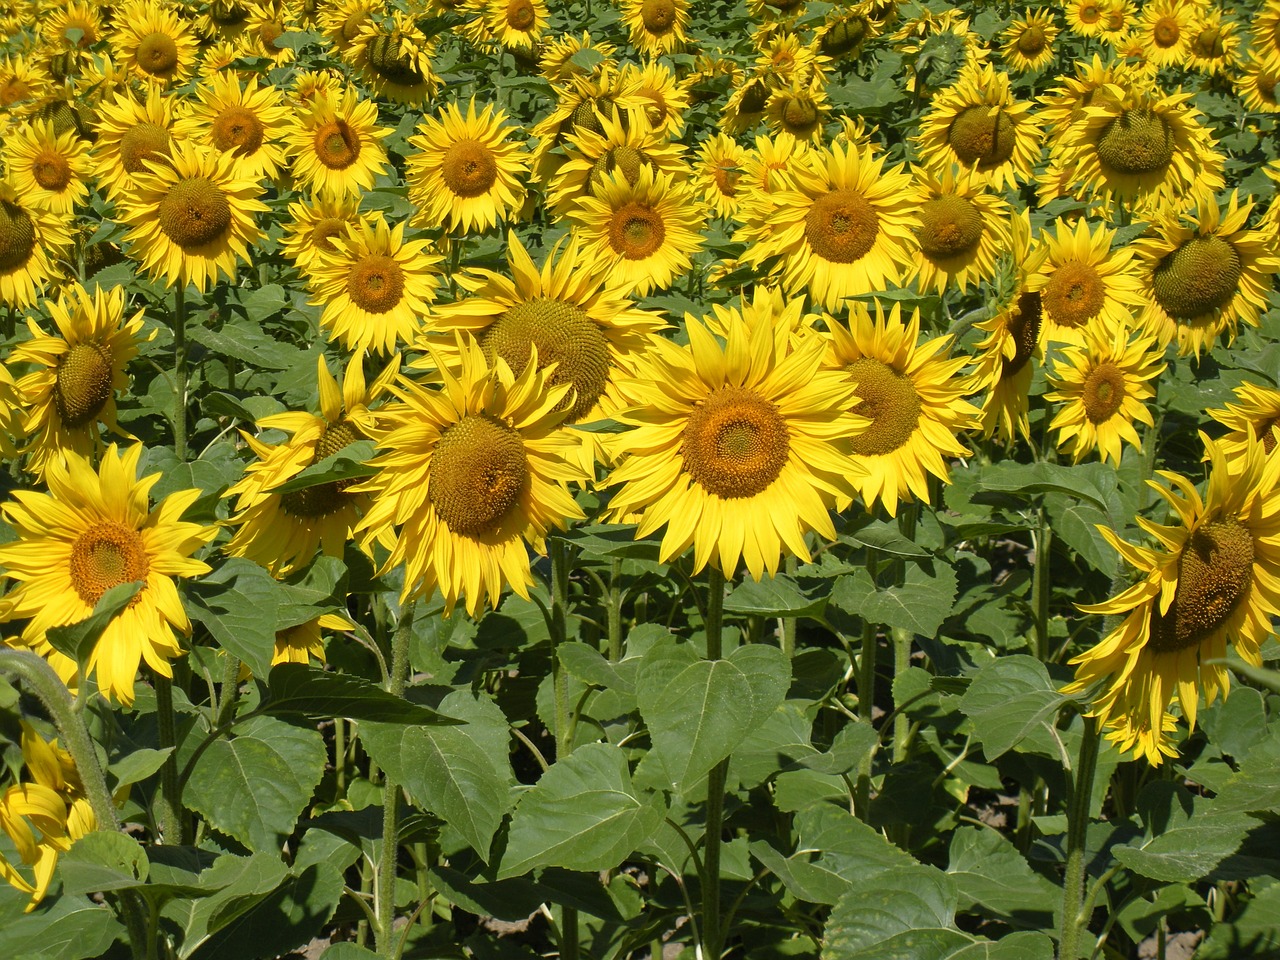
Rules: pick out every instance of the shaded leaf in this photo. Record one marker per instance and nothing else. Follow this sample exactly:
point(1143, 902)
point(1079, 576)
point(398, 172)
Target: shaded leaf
point(1010, 699)
point(103, 861)
point(300, 688)
point(778, 596)
point(920, 605)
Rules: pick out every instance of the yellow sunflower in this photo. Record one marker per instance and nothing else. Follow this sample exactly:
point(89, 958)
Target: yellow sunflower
point(268, 21)
point(517, 24)
point(337, 144)
point(246, 122)
point(76, 15)
point(130, 133)
point(222, 21)
point(472, 474)
point(1028, 43)
point(657, 27)
point(959, 228)
point(1212, 577)
point(192, 218)
point(313, 225)
point(284, 531)
point(89, 533)
point(738, 449)
point(78, 374)
point(1256, 86)
point(1103, 384)
point(799, 109)
point(767, 170)
point(643, 234)
point(718, 173)
point(1086, 17)
point(375, 288)
point(581, 103)
point(341, 21)
point(303, 643)
point(557, 58)
point(395, 58)
point(47, 169)
point(1203, 274)
point(310, 84)
point(1166, 31)
point(1214, 47)
point(1254, 417)
point(32, 242)
point(153, 43)
point(746, 105)
point(1062, 104)
point(912, 393)
point(1265, 35)
point(21, 85)
point(467, 172)
point(843, 230)
point(844, 33)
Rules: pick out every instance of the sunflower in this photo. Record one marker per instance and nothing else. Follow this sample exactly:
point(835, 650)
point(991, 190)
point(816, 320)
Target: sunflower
point(192, 218)
point(130, 133)
point(375, 288)
point(1083, 282)
point(785, 60)
point(1211, 578)
point(581, 103)
point(1214, 46)
point(937, 50)
point(284, 531)
point(302, 643)
point(395, 58)
point(844, 33)
point(313, 225)
point(746, 105)
point(309, 84)
point(1255, 416)
point(216, 59)
point(977, 125)
point(641, 234)
point(153, 43)
point(337, 144)
point(516, 24)
point(800, 110)
point(913, 395)
point(845, 228)
point(268, 21)
point(1165, 28)
point(739, 450)
point(1204, 274)
point(1062, 104)
point(1256, 86)
point(48, 169)
point(341, 22)
point(959, 229)
point(21, 85)
point(718, 173)
point(657, 27)
point(1028, 43)
point(1265, 35)
point(89, 533)
point(57, 22)
point(222, 21)
point(466, 174)
point(472, 474)
point(32, 242)
point(767, 170)
point(656, 96)
point(558, 60)
point(245, 122)
point(78, 374)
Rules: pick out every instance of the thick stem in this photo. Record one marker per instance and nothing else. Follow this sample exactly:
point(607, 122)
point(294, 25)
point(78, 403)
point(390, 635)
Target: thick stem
point(1077, 829)
point(903, 639)
point(229, 694)
point(170, 813)
point(559, 551)
point(1043, 544)
point(789, 623)
point(615, 610)
point(712, 934)
point(180, 371)
point(384, 891)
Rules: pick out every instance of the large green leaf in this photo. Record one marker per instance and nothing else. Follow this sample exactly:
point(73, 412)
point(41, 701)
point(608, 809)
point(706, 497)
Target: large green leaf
point(1188, 851)
point(1009, 700)
point(1254, 932)
point(778, 596)
point(238, 602)
point(235, 885)
point(66, 928)
point(989, 870)
point(299, 688)
point(103, 861)
point(920, 605)
point(908, 899)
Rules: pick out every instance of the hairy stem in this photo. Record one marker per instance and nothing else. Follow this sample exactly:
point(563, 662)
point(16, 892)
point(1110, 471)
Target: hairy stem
point(170, 811)
point(1077, 828)
point(712, 934)
point(384, 891)
point(180, 371)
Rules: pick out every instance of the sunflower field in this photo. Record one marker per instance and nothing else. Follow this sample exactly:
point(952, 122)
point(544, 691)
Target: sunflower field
point(697, 479)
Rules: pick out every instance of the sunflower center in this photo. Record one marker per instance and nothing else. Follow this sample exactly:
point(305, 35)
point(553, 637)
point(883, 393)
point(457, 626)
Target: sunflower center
point(158, 54)
point(982, 136)
point(194, 212)
point(351, 26)
point(636, 231)
point(1265, 84)
point(735, 443)
point(841, 226)
point(1032, 41)
point(1215, 573)
point(13, 91)
point(726, 176)
point(800, 117)
point(51, 170)
point(17, 235)
point(337, 145)
point(949, 226)
point(237, 128)
point(584, 115)
point(478, 472)
point(1089, 13)
point(1201, 276)
point(754, 97)
point(1266, 433)
point(1208, 44)
point(1167, 32)
point(1137, 141)
point(390, 62)
point(83, 384)
point(376, 283)
point(564, 335)
point(141, 142)
point(1024, 327)
point(658, 16)
point(323, 499)
point(324, 230)
point(889, 400)
point(1104, 391)
point(105, 556)
point(1074, 294)
point(521, 15)
point(469, 168)
point(630, 160)
point(269, 33)
point(843, 37)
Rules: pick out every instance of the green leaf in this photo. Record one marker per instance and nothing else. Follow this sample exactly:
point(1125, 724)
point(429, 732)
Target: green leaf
point(103, 861)
point(584, 662)
point(583, 814)
point(348, 951)
point(1187, 852)
point(989, 870)
point(916, 900)
point(299, 688)
point(77, 640)
point(66, 928)
point(1253, 932)
point(886, 538)
point(778, 596)
point(234, 886)
point(1009, 700)
point(137, 766)
point(254, 785)
point(238, 603)
point(1031, 478)
point(349, 463)
point(920, 605)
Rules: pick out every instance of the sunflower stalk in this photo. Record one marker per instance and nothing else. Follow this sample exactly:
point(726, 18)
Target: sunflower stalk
point(384, 893)
point(1077, 829)
point(559, 551)
point(903, 639)
point(180, 371)
point(712, 934)
point(614, 601)
point(788, 624)
point(170, 814)
point(1040, 588)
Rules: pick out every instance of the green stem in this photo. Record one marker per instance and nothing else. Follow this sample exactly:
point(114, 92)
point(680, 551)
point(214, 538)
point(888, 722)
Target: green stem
point(789, 623)
point(180, 371)
point(170, 814)
point(1077, 829)
point(229, 692)
point(559, 551)
point(340, 755)
point(614, 601)
point(903, 639)
point(712, 934)
point(1043, 544)
point(384, 891)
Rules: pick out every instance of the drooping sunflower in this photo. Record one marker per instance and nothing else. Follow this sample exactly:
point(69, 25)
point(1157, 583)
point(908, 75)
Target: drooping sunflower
point(48, 169)
point(937, 49)
point(313, 225)
point(284, 531)
point(472, 475)
point(375, 288)
point(978, 125)
point(222, 21)
point(718, 172)
point(844, 229)
point(1203, 274)
point(341, 22)
point(959, 228)
point(303, 643)
point(32, 241)
point(78, 374)
point(1166, 31)
point(557, 60)
point(89, 533)
point(1254, 417)
point(1265, 35)
point(913, 394)
point(738, 449)
point(641, 234)
point(1028, 43)
point(657, 27)
point(192, 218)
point(844, 32)
point(153, 43)
point(466, 174)
point(746, 105)
point(1213, 577)
point(1214, 47)
point(799, 109)
point(246, 122)
point(1256, 86)
point(131, 132)
point(517, 24)
point(1103, 384)
point(395, 58)
point(581, 102)
point(337, 144)
point(268, 21)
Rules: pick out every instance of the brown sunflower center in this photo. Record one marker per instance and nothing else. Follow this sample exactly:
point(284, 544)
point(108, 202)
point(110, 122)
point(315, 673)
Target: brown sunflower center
point(142, 142)
point(888, 398)
point(658, 16)
point(800, 117)
point(105, 556)
point(51, 170)
point(1104, 391)
point(238, 129)
point(337, 145)
point(1137, 141)
point(389, 60)
point(950, 226)
point(630, 160)
point(636, 231)
point(1089, 13)
point(521, 15)
point(350, 28)
point(469, 168)
point(322, 499)
point(585, 115)
point(735, 443)
point(1074, 294)
point(83, 384)
point(1201, 276)
point(194, 212)
point(1032, 41)
point(1215, 574)
point(13, 90)
point(564, 335)
point(1266, 433)
point(376, 283)
point(1265, 83)
point(478, 472)
point(158, 54)
point(17, 235)
point(841, 226)
point(269, 33)
point(1166, 32)
point(982, 136)
point(1024, 326)
point(1208, 44)
point(726, 175)
point(844, 36)
point(324, 230)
